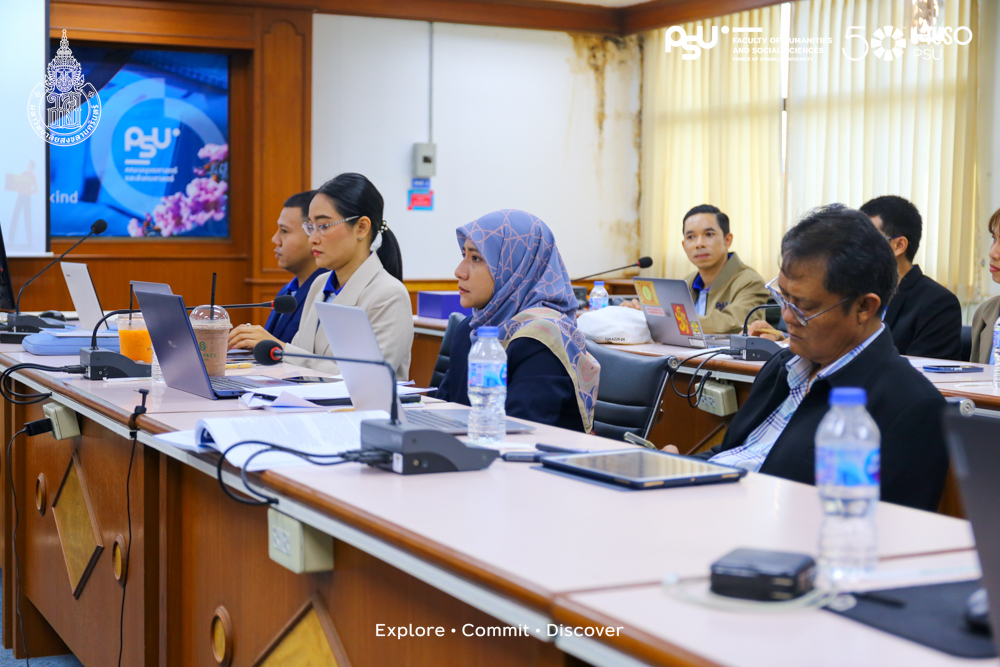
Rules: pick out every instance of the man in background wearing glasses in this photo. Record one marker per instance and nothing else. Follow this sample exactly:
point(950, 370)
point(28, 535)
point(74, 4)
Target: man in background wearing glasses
point(924, 317)
point(837, 274)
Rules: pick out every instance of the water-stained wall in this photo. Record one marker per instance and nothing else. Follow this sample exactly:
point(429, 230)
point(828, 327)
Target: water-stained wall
point(543, 121)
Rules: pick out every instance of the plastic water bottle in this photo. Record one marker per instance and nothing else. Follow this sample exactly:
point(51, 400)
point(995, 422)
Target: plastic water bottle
point(598, 296)
point(996, 351)
point(155, 373)
point(847, 477)
point(487, 388)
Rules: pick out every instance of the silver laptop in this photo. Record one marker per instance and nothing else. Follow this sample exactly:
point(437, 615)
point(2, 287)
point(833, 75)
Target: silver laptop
point(177, 350)
point(671, 314)
point(84, 295)
point(350, 335)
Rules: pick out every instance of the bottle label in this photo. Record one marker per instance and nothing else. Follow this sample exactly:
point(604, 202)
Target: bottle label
point(598, 302)
point(996, 344)
point(847, 466)
point(487, 375)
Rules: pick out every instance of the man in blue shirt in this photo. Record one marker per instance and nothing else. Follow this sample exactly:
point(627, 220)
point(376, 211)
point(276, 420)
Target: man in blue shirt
point(291, 247)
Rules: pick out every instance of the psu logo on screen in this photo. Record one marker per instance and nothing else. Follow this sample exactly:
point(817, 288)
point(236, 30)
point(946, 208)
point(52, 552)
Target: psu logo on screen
point(150, 143)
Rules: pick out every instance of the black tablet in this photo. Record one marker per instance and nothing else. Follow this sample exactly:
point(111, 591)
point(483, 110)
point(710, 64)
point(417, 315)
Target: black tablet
point(643, 468)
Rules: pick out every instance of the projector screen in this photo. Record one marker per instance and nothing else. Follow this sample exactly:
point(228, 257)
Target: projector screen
point(157, 165)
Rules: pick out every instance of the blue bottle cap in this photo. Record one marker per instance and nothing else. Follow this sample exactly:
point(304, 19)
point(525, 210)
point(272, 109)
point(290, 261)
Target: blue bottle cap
point(488, 332)
point(598, 282)
point(848, 396)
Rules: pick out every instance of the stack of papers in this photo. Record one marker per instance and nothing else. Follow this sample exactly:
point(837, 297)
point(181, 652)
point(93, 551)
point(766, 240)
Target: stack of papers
point(305, 396)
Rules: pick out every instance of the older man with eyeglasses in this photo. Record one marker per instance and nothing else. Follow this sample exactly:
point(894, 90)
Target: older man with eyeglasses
point(837, 275)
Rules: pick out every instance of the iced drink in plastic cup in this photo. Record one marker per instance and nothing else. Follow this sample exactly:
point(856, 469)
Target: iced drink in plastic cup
point(213, 337)
point(133, 338)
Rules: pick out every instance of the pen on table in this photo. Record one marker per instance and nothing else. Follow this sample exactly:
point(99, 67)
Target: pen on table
point(240, 364)
point(881, 599)
point(552, 449)
point(145, 379)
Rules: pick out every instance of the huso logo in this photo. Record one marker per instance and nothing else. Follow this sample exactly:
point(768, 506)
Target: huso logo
point(148, 143)
point(888, 43)
point(693, 44)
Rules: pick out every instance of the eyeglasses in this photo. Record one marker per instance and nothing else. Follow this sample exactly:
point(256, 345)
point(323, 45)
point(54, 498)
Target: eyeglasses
point(801, 317)
point(310, 229)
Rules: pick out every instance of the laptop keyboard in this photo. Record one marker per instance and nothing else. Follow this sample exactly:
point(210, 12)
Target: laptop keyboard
point(232, 383)
point(432, 420)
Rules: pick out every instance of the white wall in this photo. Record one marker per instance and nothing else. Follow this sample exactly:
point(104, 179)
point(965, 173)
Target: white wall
point(23, 48)
point(517, 123)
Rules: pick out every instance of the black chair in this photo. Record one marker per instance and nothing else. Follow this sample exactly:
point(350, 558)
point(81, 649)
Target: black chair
point(966, 338)
point(628, 396)
point(444, 355)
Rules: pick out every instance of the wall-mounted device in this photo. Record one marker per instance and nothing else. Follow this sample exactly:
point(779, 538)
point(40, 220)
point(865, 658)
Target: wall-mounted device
point(424, 160)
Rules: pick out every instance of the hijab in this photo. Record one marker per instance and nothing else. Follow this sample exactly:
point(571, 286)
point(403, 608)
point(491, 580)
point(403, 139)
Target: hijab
point(532, 295)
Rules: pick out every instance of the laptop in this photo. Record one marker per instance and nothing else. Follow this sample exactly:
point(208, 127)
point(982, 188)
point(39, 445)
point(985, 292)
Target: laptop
point(350, 335)
point(671, 314)
point(84, 295)
point(177, 351)
point(975, 459)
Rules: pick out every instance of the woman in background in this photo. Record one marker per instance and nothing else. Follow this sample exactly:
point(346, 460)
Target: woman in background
point(513, 278)
point(351, 240)
point(988, 311)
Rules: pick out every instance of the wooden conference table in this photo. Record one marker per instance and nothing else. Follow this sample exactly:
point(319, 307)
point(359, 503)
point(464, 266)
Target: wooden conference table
point(479, 552)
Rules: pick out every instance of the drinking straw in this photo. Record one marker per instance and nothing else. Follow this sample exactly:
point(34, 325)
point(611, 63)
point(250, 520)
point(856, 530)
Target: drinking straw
point(212, 310)
point(131, 293)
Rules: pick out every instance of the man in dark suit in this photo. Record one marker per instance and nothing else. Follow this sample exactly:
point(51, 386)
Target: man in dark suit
point(924, 317)
point(836, 275)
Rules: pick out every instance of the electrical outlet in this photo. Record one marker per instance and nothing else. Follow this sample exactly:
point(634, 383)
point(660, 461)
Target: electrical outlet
point(297, 546)
point(65, 424)
point(718, 398)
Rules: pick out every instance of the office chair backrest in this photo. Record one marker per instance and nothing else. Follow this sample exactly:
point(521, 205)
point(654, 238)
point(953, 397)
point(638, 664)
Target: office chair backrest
point(444, 355)
point(628, 396)
point(966, 338)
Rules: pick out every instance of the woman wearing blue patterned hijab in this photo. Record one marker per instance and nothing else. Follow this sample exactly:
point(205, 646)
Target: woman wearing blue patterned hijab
point(513, 278)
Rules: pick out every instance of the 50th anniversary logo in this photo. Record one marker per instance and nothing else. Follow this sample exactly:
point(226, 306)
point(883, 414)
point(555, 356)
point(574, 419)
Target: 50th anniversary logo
point(64, 110)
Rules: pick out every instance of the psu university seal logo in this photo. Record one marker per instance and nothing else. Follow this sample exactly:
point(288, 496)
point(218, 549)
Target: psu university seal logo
point(65, 109)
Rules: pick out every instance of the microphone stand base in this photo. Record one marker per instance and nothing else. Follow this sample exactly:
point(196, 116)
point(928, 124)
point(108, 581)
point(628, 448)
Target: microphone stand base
point(32, 323)
point(416, 450)
point(101, 364)
point(14, 337)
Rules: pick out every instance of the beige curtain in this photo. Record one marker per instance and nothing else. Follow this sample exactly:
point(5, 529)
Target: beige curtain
point(711, 134)
point(864, 128)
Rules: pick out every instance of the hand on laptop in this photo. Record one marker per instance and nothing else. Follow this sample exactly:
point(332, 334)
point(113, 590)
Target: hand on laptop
point(762, 329)
point(246, 336)
point(631, 303)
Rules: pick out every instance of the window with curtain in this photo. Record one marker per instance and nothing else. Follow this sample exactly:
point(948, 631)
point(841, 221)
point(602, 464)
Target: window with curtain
point(862, 128)
point(856, 129)
point(712, 135)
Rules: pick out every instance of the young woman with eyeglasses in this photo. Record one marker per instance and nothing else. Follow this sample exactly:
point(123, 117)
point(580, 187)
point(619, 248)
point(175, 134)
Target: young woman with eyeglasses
point(351, 240)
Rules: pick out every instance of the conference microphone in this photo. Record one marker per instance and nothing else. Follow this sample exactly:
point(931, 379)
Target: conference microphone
point(408, 449)
point(753, 348)
point(31, 323)
point(643, 263)
point(282, 305)
point(269, 353)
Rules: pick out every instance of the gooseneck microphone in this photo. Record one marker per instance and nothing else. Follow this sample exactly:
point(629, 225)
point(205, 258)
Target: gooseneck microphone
point(282, 305)
point(269, 353)
point(30, 323)
point(643, 263)
point(406, 448)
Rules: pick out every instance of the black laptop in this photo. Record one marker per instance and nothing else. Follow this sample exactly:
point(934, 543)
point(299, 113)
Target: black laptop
point(975, 459)
point(177, 351)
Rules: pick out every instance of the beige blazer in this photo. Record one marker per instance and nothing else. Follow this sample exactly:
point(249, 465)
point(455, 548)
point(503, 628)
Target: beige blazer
point(982, 331)
point(736, 291)
point(387, 304)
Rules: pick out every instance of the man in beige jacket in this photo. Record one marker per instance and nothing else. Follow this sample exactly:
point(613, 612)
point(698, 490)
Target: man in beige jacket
point(724, 289)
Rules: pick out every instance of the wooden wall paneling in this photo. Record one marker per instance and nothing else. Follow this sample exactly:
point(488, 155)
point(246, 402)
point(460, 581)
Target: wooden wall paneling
point(170, 543)
point(662, 13)
point(89, 624)
point(197, 25)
